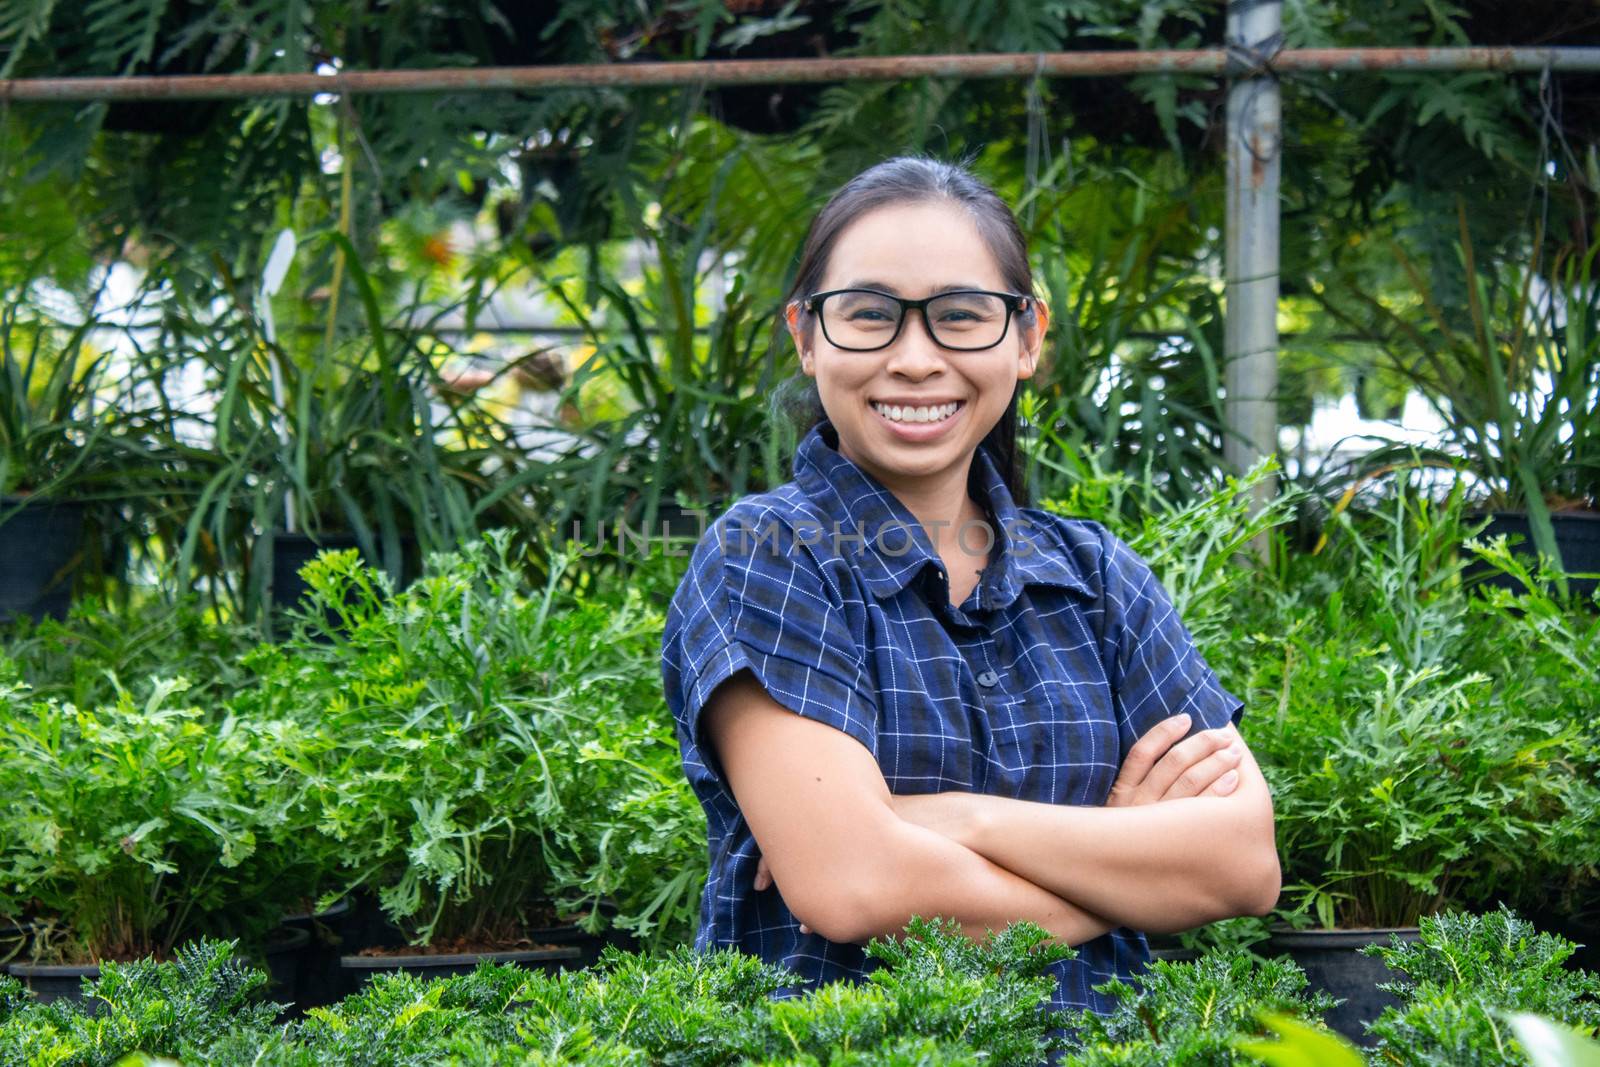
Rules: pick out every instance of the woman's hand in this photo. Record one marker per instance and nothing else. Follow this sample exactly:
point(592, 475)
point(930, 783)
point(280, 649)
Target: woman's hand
point(1165, 765)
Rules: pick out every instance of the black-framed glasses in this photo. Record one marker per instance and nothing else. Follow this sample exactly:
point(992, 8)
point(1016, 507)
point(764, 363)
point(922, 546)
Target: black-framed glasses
point(865, 320)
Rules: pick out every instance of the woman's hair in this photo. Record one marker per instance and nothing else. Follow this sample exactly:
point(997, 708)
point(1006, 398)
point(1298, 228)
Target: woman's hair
point(909, 180)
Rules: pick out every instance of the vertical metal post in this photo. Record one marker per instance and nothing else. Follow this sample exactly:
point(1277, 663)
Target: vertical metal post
point(1251, 327)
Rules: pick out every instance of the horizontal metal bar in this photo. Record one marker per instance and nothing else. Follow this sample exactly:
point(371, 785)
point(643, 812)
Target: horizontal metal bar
point(788, 71)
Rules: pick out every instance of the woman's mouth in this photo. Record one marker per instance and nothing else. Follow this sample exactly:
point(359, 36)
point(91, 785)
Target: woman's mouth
point(919, 422)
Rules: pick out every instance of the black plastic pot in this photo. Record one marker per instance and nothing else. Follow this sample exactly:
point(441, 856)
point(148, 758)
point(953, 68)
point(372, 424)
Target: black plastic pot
point(589, 946)
point(1333, 963)
point(292, 551)
point(320, 981)
point(358, 969)
point(41, 547)
point(1577, 539)
point(284, 961)
point(50, 982)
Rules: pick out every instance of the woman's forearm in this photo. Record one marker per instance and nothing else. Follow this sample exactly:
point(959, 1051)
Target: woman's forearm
point(1157, 867)
point(1160, 867)
point(922, 872)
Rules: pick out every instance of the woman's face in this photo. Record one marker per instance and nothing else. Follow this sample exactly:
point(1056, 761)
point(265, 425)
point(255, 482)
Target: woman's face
point(914, 251)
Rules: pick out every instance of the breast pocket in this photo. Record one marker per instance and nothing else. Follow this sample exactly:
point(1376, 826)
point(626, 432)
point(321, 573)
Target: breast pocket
point(1054, 726)
point(925, 737)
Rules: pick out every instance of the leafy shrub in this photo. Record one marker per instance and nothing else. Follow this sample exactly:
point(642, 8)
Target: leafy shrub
point(129, 823)
point(1197, 550)
point(1405, 779)
point(1463, 975)
point(475, 750)
point(165, 1009)
point(1193, 1012)
point(89, 657)
point(938, 999)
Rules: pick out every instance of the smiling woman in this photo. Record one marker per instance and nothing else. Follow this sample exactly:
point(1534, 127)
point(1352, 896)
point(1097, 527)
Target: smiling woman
point(900, 690)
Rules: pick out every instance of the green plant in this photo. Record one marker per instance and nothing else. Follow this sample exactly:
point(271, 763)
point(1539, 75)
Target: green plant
point(1549, 1044)
point(1400, 797)
point(1192, 1012)
point(1197, 549)
point(85, 658)
point(1299, 1045)
point(477, 751)
point(937, 999)
point(1517, 383)
point(355, 430)
point(1464, 974)
point(204, 994)
point(690, 381)
point(1410, 771)
point(130, 823)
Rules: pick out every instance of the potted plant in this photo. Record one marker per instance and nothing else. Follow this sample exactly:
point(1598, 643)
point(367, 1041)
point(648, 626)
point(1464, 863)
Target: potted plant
point(461, 740)
point(344, 440)
point(54, 439)
point(1515, 379)
point(130, 826)
point(1404, 781)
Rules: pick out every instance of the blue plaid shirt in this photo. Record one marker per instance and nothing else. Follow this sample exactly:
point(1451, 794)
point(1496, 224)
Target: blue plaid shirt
point(1034, 688)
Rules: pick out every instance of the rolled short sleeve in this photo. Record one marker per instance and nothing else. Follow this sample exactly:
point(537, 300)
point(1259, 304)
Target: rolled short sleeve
point(1151, 660)
point(755, 598)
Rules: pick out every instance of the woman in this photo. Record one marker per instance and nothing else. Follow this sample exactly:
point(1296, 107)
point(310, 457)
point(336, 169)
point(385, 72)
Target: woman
point(899, 691)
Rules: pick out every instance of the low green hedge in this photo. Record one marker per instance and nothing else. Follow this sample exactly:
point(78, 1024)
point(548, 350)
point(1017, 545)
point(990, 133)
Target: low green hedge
point(936, 999)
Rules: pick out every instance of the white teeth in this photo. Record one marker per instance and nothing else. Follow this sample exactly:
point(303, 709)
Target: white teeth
point(926, 414)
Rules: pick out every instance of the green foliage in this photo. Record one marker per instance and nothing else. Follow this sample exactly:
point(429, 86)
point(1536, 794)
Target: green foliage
point(1516, 384)
point(1550, 1044)
point(1193, 1012)
point(132, 823)
point(85, 658)
point(1197, 549)
point(1299, 1045)
point(166, 1009)
point(939, 1000)
point(1410, 770)
point(1463, 975)
point(340, 432)
point(472, 748)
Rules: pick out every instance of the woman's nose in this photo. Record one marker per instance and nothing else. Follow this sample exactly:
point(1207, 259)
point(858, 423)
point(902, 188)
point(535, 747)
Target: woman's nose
point(914, 353)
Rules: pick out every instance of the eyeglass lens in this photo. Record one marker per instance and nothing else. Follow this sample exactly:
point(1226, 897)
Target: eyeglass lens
point(862, 319)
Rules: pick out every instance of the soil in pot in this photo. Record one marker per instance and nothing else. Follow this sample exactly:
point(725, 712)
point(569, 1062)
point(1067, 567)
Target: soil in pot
point(448, 958)
point(1333, 962)
point(41, 546)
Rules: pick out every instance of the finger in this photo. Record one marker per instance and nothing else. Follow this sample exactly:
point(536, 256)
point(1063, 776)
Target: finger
point(1148, 749)
point(804, 929)
point(1224, 785)
point(1207, 772)
point(1180, 758)
point(763, 879)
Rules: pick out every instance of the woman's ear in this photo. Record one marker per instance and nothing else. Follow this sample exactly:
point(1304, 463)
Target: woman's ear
point(791, 319)
point(1035, 324)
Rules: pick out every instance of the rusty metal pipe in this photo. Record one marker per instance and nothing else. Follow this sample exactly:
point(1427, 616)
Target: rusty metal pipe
point(789, 71)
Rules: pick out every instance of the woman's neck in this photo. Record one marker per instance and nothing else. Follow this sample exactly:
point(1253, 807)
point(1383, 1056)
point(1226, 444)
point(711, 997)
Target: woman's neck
point(941, 504)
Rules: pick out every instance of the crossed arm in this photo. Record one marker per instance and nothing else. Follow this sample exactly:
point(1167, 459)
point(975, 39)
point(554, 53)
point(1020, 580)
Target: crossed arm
point(1185, 838)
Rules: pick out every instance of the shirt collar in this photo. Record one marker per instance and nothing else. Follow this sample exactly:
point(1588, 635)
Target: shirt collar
point(894, 549)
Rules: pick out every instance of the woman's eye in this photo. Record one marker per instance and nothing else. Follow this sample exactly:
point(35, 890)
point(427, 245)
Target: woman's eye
point(868, 315)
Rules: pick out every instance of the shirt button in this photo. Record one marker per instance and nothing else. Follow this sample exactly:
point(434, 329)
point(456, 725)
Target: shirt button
point(988, 679)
